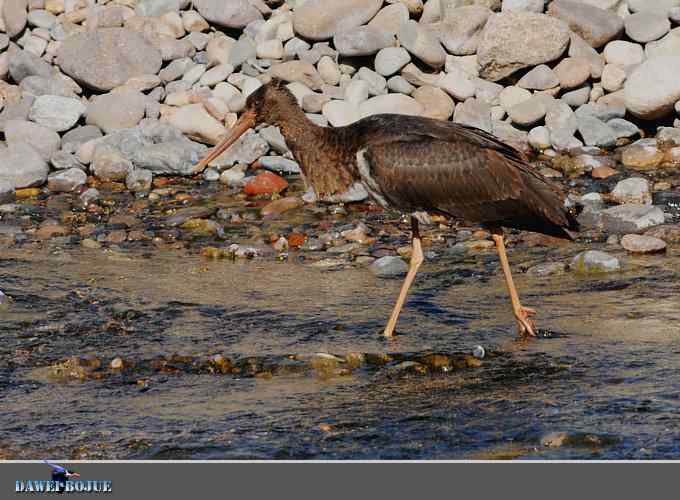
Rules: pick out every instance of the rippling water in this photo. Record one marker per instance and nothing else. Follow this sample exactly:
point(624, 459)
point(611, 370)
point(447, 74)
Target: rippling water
point(608, 366)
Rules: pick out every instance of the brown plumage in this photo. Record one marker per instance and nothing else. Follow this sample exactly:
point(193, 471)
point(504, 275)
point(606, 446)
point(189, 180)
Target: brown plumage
point(416, 164)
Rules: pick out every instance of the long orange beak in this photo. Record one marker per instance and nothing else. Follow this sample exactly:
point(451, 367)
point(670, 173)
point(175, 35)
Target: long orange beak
point(247, 121)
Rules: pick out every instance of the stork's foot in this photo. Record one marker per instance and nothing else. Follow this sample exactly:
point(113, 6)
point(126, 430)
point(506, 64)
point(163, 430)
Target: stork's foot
point(525, 325)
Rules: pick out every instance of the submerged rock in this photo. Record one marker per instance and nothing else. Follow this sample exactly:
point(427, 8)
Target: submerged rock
point(389, 266)
point(595, 262)
point(636, 243)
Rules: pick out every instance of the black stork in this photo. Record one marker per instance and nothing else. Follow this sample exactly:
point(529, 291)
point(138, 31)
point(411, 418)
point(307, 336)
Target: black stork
point(414, 164)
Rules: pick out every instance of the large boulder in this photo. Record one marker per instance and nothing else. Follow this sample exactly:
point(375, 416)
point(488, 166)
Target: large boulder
point(653, 88)
point(595, 25)
point(108, 57)
point(511, 41)
point(322, 19)
point(228, 13)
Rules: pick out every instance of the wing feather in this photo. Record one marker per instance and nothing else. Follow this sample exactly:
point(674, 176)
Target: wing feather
point(472, 175)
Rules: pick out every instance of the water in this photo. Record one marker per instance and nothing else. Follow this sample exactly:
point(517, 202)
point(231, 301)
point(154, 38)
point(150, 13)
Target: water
point(606, 368)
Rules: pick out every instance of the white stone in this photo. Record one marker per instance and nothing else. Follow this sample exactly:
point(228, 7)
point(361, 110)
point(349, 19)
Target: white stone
point(195, 122)
point(511, 96)
point(56, 112)
point(390, 60)
point(329, 71)
point(390, 103)
point(652, 90)
point(341, 113)
point(623, 53)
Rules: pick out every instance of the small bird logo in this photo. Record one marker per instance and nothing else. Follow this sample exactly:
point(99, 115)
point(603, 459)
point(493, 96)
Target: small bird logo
point(61, 474)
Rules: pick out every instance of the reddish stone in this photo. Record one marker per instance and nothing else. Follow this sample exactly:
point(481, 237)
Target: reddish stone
point(296, 240)
point(603, 172)
point(265, 183)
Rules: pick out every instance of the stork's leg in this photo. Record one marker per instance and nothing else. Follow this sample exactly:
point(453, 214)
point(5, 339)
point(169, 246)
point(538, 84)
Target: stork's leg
point(416, 261)
point(522, 314)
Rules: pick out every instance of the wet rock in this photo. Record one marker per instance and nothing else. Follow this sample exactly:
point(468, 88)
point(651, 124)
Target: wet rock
point(595, 25)
point(577, 439)
point(22, 166)
point(202, 227)
point(139, 180)
point(67, 180)
point(56, 112)
point(109, 164)
point(642, 155)
point(640, 244)
point(280, 206)
point(184, 214)
point(631, 218)
point(667, 137)
point(668, 233)
point(595, 262)
point(549, 269)
point(117, 364)
point(389, 266)
point(633, 190)
point(50, 229)
point(7, 191)
point(669, 200)
point(502, 51)
point(108, 57)
point(265, 183)
point(116, 110)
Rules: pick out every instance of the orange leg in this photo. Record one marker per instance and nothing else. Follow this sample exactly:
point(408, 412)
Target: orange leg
point(417, 259)
point(522, 314)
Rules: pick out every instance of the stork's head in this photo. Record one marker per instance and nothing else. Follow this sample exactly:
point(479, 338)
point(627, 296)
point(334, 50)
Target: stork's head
point(272, 103)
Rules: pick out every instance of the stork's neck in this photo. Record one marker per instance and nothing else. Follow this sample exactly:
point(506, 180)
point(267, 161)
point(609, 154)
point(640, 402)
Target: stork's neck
point(326, 162)
point(299, 131)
